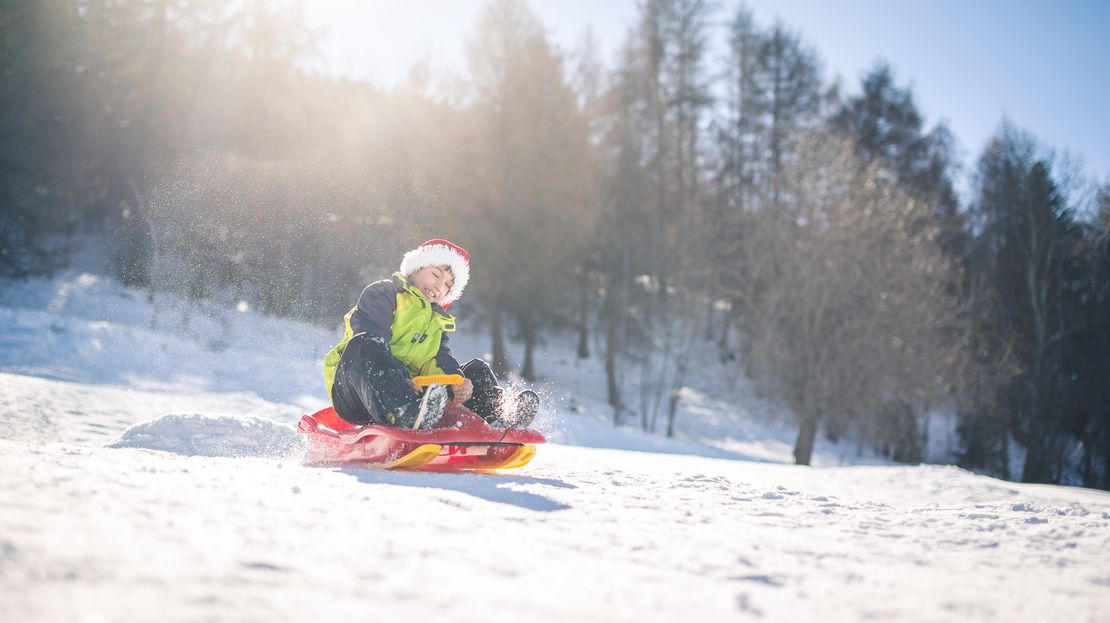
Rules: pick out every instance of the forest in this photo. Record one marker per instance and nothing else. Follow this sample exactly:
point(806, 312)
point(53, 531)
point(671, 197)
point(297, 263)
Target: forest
point(661, 206)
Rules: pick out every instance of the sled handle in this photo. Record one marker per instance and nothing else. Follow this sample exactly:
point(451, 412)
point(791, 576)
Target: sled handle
point(442, 379)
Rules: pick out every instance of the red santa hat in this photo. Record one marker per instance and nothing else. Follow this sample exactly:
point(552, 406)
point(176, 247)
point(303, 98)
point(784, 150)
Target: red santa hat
point(440, 252)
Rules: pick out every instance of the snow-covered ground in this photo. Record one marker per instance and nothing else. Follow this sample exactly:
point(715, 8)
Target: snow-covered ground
point(205, 510)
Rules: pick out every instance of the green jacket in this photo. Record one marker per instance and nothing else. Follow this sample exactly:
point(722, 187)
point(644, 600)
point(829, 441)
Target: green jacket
point(415, 328)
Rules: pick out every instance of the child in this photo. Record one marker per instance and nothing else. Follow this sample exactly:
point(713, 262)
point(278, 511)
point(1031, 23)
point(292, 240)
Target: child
point(398, 330)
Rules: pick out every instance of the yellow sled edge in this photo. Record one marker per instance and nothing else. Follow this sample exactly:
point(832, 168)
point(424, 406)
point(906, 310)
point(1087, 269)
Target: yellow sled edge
point(420, 456)
point(520, 458)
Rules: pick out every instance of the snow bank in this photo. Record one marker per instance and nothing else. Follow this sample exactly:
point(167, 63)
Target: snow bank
point(206, 434)
point(86, 329)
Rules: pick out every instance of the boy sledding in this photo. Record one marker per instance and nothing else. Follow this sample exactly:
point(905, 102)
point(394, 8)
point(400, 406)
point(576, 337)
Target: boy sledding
point(395, 342)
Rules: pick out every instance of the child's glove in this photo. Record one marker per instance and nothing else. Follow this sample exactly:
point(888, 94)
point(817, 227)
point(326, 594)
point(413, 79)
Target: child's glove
point(462, 391)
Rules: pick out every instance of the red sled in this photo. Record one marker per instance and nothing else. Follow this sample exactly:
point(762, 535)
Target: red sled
point(461, 441)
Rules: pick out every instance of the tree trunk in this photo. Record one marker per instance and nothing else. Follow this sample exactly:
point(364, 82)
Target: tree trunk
point(723, 351)
point(583, 314)
point(611, 351)
point(710, 312)
point(530, 331)
point(807, 433)
point(1031, 471)
point(500, 362)
point(1040, 463)
point(1005, 452)
point(528, 370)
point(672, 407)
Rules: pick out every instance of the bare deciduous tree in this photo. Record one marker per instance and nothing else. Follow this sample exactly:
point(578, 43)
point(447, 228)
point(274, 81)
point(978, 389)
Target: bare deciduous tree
point(853, 310)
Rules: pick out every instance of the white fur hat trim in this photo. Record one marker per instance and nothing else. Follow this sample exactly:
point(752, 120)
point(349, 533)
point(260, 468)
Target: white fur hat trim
point(440, 253)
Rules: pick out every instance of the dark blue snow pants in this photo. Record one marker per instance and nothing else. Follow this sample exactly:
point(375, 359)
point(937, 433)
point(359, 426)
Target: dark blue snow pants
point(370, 383)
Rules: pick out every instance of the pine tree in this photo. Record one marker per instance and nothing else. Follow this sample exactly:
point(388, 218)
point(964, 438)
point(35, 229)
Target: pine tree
point(1027, 239)
point(889, 129)
point(525, 175)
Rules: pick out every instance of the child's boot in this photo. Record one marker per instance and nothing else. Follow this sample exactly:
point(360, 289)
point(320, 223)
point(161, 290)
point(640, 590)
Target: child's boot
point(523, 410)
point(424, 412)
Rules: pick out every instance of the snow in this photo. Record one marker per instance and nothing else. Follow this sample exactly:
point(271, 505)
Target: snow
point(206, 434)
point(153, 473)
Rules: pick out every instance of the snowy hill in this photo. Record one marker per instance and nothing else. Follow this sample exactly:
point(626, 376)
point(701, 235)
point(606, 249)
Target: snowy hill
point(149, 471)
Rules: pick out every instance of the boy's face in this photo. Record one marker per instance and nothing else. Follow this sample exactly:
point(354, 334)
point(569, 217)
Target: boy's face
point(434, 281)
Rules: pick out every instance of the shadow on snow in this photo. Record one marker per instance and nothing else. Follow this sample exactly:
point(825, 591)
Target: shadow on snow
point(486, 486)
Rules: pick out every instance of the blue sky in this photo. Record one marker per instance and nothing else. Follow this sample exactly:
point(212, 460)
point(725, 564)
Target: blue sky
point(1044, 65)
